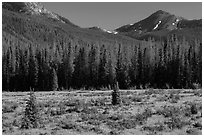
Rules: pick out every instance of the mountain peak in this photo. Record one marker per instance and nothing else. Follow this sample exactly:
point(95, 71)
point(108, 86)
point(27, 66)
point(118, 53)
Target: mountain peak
point(158, 24)
point(24, 7)
point(33, 8)
point(161, 12)
point(159, 20)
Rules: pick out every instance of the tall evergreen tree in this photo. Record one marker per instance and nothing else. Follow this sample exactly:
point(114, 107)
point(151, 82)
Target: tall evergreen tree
point(33, 70)
point(54, 80)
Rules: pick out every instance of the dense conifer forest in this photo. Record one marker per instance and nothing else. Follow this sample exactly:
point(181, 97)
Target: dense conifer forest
point(68, 63)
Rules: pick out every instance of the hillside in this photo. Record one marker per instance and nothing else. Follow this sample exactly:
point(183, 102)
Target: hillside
point(43, 27)
point(160, 25)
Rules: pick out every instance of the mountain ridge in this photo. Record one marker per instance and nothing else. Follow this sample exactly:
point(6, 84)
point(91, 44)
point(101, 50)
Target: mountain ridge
point(34, 8)
point(159, 22)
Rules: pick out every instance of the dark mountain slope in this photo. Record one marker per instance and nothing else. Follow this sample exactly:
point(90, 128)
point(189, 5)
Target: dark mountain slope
point(190, 23)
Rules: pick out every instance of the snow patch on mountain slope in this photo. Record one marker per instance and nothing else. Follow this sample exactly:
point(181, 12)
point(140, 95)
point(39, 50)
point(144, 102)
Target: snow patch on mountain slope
point(157, 25)
point(175, 23)
point(109, 31)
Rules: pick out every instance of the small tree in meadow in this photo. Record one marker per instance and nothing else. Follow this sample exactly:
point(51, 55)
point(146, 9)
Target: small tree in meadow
point(30, 118)
point(116, 95)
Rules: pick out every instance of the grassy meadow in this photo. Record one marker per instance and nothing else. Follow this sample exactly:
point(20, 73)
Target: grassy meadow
point(142, 112)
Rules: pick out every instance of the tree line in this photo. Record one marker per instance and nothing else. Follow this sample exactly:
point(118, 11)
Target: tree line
point(67, 63)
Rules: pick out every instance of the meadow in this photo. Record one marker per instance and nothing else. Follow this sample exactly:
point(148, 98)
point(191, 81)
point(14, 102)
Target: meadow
point(141, 112)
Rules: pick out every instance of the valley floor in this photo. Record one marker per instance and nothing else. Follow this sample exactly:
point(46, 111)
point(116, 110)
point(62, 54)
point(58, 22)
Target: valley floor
point(151, 111)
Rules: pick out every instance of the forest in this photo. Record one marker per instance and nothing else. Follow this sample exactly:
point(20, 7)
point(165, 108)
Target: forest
point(71, 64)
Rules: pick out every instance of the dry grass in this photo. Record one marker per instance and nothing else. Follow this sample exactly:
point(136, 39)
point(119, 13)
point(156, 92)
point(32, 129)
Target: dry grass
point(90, 112)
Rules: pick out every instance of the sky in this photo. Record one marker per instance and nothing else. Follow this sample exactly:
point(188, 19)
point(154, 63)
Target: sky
point(111, 15)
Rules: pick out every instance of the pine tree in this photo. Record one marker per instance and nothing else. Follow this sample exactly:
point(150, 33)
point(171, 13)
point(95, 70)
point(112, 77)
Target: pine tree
point(33, 69)
point(103, 68)
point(93, 66)
point(54, 82)
point(68, 66)
point(116, 100)
point(80, 73)
point(31, 116)
point(133, 67)
point(6, 71)
point(119, 67)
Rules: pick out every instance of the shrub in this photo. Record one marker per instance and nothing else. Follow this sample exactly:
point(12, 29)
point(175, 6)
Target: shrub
point(191, 131)
point(9, 107)
point(30, 119)
point(127, 100)
point(187, 111)
point(154, 128)
point(169, 111)
point(89, 110)
point(94, 122)
point(61, 108)
point(197, 125)
point(175, 121)
point(114, 125)
point(55, 111)
point(198, 93)
point(174, 97)
point(99, 101)
point(93, 116)
point(114, 132)
point(115, 117)
point(127, 123)
point(137, 99)
point(162, 98)
point(147, 113)
point(140, 118)
point(67, 124)
point(7, 126)
point(194, 109)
